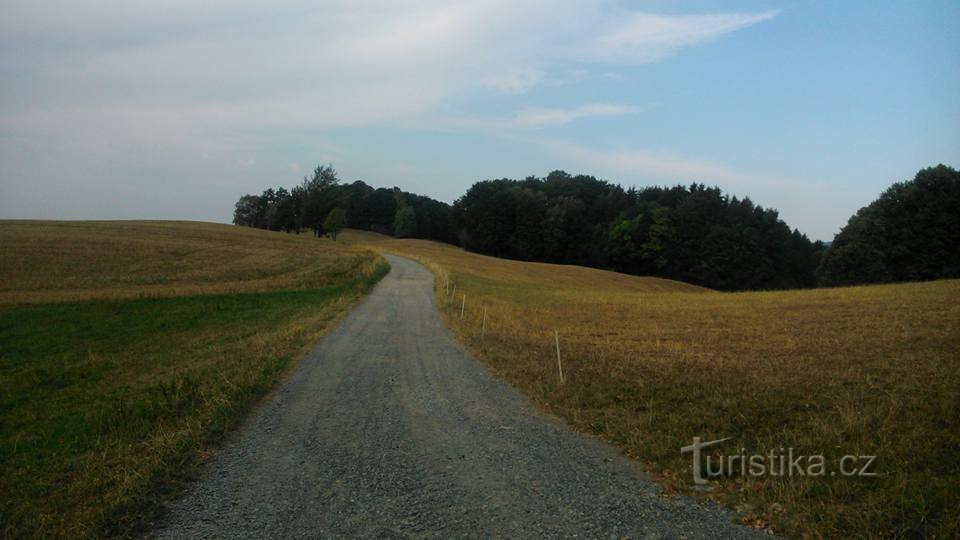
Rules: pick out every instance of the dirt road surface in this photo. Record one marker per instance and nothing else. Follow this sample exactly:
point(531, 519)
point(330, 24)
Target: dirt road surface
point(390, 429)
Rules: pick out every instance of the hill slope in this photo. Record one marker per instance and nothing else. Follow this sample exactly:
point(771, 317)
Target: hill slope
point(44, 261)
point(557, 278)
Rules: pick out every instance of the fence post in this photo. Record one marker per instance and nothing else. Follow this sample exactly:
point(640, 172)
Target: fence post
point(483, 326)
point(463, 305)
point(556, 336)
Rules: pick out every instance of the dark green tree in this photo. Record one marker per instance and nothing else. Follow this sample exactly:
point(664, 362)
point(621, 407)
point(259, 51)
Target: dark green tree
point(335, 222)
point(405, 222)
point(316, 198)
point(911, 232)
point(282, 212)
point(382, 207)
point(639, 245)
point(308, 204)
point(250, 211)
point(693, 233)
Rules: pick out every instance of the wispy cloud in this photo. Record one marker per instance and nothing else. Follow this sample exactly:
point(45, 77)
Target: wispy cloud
point(538, 117)
point(637, 38)
point(517, 81)
point(528, 118)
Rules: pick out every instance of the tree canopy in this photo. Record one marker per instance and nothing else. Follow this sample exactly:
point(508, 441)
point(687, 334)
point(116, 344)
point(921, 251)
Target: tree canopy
point(334, 222)
point(691, 233)
point(405, 224)
point(910, 233)
point(307, 206)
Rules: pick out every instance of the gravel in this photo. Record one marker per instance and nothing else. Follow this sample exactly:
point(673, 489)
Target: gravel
point(390, 429)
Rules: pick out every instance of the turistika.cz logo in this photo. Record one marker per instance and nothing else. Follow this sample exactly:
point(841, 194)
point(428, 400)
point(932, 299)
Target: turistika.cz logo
point(782, 462)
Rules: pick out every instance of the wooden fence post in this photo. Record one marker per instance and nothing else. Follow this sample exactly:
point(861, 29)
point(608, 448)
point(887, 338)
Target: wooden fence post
point(483, 326)
point(556, 336)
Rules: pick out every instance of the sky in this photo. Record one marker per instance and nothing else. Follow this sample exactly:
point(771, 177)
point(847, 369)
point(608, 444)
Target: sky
point(135, 109)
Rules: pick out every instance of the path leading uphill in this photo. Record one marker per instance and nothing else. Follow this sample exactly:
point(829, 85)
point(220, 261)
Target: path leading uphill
point(389, 429)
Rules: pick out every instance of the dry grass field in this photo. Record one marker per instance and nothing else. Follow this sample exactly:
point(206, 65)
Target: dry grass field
point(53, 261)
point(129, 349)
point(650, 363)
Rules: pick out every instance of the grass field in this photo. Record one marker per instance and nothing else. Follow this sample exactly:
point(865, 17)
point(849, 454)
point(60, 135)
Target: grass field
point(650, 363)
point(55, 261)
point(108, 403)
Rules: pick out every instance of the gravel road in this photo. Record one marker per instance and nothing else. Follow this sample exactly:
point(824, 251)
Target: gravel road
point(390, 429)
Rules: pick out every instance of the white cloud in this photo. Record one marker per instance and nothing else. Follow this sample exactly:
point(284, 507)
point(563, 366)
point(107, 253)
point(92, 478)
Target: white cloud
point(637, 38)
point(517, 81)
point(339, 63)
point(537, 117)
point(528, 118)
point(108, 83)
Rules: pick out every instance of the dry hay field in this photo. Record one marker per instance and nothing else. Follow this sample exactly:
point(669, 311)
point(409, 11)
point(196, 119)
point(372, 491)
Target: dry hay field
point(651, 363)
point(52, 261)
point(128, 350)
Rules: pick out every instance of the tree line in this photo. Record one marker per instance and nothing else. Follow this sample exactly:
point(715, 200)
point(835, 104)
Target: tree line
point(691, 233)
point(910, 233)
point(357, 205)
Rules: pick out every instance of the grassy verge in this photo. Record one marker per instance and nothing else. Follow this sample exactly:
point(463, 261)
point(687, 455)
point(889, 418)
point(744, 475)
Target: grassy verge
point(648, 366)
point(107, 405)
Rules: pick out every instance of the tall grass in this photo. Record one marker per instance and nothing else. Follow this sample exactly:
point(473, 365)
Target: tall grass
point(649, 365)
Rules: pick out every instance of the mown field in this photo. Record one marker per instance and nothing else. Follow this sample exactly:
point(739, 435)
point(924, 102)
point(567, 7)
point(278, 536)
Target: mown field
point(129, 349)
point(649, 364)
point(55, 261)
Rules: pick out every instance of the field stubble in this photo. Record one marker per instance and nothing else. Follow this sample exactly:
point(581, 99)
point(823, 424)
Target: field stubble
point(58, 261)
point(650, 363)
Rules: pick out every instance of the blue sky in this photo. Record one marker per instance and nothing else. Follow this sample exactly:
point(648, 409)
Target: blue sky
point(166, 110)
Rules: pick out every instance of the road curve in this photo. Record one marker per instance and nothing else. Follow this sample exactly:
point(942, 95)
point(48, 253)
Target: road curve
point(390, 429)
